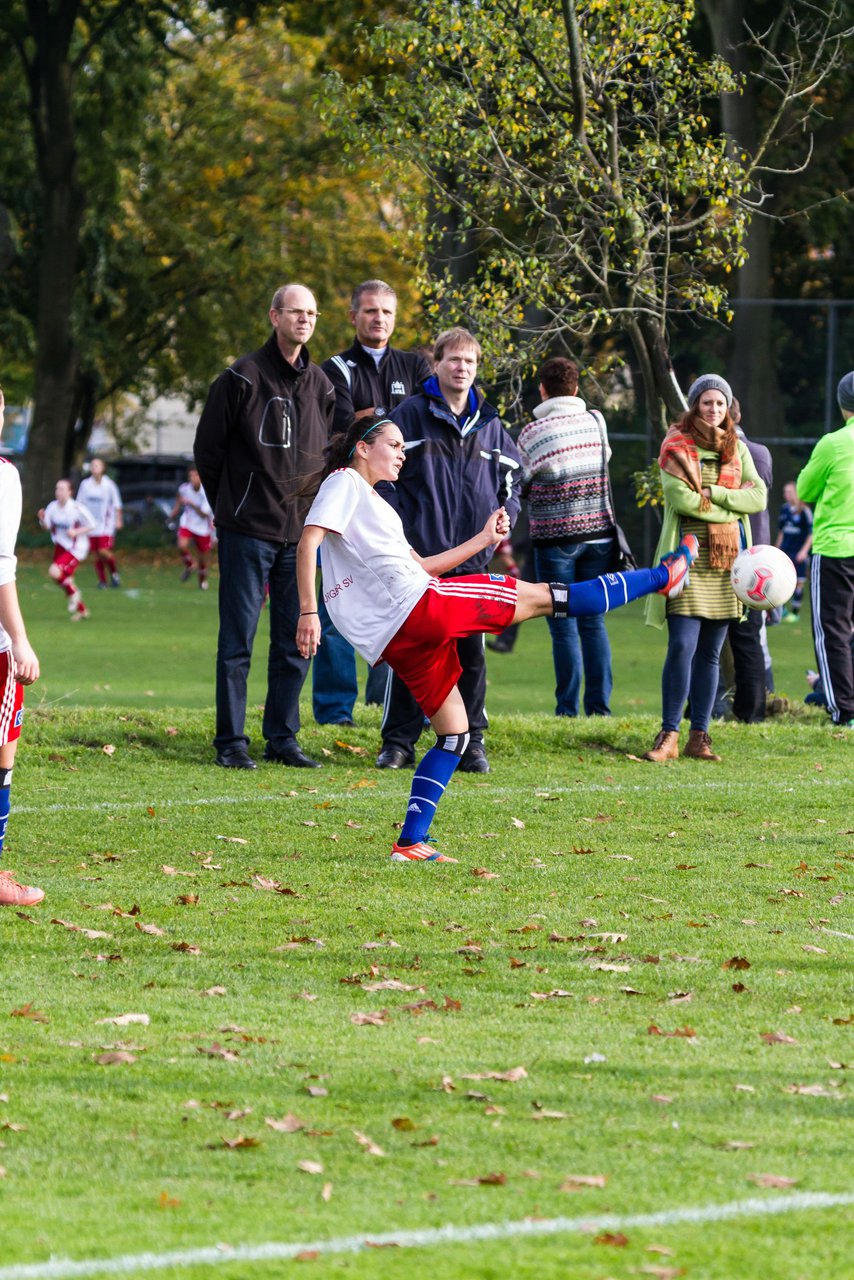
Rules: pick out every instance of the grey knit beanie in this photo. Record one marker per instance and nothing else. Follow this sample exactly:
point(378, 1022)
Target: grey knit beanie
point(845, 393)
point(709, 382)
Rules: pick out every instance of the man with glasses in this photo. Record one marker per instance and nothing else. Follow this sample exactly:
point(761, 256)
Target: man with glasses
point(261, 436)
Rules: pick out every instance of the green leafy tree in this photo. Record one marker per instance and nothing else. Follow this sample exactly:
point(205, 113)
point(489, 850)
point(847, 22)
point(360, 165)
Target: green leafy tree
point(575, 183)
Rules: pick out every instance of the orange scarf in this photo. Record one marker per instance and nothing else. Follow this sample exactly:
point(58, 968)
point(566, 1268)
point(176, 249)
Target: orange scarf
point(679, 458)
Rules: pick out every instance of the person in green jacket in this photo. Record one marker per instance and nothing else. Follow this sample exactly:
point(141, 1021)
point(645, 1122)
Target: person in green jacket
point(827, 481)
point(710, 487)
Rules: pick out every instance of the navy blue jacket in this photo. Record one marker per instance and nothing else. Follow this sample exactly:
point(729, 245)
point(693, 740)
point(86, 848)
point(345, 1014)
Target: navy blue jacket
point(454, 476)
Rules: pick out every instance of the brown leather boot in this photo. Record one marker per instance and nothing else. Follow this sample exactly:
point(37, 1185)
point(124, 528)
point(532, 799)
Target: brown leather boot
point(699, 746)
point(665, 747)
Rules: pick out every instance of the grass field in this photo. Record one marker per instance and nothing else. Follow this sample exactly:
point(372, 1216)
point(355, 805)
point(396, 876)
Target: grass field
point(657, 960)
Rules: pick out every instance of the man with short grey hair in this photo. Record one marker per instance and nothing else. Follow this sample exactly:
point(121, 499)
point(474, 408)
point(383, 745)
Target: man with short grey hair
point(827, 483)
point(260, 438)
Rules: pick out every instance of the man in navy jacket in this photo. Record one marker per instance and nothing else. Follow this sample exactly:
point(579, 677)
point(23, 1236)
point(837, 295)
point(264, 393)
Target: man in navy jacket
point(460, 465)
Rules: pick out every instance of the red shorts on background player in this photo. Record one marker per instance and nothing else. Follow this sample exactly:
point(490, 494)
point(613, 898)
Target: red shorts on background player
point(195, 527)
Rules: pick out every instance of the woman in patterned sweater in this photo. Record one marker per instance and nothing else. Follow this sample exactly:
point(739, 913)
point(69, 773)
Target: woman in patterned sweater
point(710, 488)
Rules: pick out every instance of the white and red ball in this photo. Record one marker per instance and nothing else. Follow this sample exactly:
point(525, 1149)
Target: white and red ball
point(763, 577)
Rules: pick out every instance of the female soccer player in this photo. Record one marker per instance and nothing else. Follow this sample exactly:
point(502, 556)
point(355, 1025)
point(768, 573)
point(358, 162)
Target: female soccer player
point(390, 604)
point(69, 524)
point(18, 666)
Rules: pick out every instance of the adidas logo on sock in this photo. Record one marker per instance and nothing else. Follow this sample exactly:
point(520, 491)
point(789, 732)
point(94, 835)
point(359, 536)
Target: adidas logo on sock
point(413, 808)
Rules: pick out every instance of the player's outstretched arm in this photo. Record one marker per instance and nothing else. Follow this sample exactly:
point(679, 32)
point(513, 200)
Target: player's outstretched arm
point(496, 528)
point(26, 662)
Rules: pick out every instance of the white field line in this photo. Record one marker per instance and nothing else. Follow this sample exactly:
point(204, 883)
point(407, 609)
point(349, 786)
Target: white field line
point(730, 785)
point(217, 1255)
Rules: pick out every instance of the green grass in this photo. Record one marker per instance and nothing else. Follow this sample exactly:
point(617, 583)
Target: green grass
point(694, 864)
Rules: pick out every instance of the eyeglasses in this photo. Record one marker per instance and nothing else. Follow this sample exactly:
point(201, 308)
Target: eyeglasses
point(298, 311)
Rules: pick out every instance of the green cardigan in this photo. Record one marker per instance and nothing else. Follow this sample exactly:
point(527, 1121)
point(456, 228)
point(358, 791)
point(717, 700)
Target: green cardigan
point(679, 501)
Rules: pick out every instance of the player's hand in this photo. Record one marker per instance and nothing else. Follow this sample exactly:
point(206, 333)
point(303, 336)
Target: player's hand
point(497, 526)
point(26, 662)
point(308, 634)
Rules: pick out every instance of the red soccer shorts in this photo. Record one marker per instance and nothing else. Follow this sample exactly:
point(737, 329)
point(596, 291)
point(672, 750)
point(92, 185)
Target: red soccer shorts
point(66, 561)
point(202, 540)
point(424, 653)
point(11, 701)
point(101, 541)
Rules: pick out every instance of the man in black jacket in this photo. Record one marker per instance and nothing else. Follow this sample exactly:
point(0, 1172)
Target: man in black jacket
point(460, 465)
point(369, 377)
point(262, 433)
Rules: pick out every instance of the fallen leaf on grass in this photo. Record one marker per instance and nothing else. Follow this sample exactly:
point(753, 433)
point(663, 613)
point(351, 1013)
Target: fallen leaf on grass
point(218, 1051)
point(27, 1011)
point(235, 1144)
point(771, 1180)
point(368, 1144)
point(810, 1090)
point(664, 1099)
point(108, 749)
point(316, 1091)
point(288, 1123)
point(76, 928)
point(686, 1033)
point(663, 1273)
point(370, 1019)
point(487, 1180)
point(517, 822)
point(543, 1114)
point(776, 1037)
point(310, 1166)
point(403, 1124)
point(213, 991)
point(232, 839)
point(273, 886)
point(189, 947)
point(557, 994)
point(483, 874)
point(125, 1020)
point(165, 1201)
point(578, 1181)
point(615, 1238)
point(389, 984)
point(510, 1077)
point(114, 1059)
point(737, 962)
point(816, 951)
point(151, 929)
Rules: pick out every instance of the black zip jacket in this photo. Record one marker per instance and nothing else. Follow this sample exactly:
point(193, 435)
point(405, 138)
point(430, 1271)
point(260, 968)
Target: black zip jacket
point(262, 433)
point(359, 384)
point(454, 476)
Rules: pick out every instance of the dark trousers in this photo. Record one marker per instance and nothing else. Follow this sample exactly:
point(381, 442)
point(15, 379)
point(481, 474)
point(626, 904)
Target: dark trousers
point(691, 669)
point(403, 719)
point(748, 660)
point(832, 596)
point(246, 567)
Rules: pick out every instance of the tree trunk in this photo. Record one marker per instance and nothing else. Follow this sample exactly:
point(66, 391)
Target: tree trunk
point(751, 367)
point(51, 76)
point(664, 403)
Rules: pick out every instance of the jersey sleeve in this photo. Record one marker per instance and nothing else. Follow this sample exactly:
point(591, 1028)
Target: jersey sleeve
point(336, 502)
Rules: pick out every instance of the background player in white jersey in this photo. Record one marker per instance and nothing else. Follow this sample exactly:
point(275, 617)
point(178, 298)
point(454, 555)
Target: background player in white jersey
point(100, 495)
point(18, 666)
point(69, 524)
point(195, 526)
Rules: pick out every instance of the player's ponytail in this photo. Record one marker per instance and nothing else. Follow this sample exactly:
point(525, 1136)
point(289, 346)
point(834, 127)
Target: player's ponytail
point(342, 448)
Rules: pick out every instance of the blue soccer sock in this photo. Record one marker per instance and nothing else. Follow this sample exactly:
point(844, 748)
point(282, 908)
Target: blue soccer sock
point(428, 786)
point(600, 595)
point(5, 802)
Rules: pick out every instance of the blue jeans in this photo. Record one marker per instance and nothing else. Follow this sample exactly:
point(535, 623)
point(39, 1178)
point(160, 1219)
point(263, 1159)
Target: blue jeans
point(246, 566)
point(335, 684)
point(691, 669)
point(578, 562)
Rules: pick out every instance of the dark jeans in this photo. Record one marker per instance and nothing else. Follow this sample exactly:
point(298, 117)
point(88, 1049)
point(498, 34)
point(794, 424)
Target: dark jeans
point(334, 684)
point(246, 566)
point(748, 660)
point(578, 562)
point(691, 669)
point(403, 719)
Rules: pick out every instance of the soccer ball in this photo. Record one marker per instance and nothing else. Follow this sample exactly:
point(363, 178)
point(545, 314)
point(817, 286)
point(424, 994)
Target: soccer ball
point(763, 577)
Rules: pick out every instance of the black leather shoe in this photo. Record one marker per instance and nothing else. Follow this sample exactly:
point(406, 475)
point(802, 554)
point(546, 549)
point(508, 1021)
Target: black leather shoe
point(394, 758)
point(474, 760)
point(235, 758)
point(291, 755)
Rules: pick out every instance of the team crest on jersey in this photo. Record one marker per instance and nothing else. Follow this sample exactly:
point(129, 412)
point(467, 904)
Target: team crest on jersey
point(497, 577)
point(398, 389)
point(19, 718)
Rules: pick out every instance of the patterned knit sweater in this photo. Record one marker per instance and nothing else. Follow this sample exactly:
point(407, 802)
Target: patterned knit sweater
point(564, 455)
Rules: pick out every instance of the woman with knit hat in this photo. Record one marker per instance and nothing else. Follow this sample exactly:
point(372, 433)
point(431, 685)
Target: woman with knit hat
point(710, 488)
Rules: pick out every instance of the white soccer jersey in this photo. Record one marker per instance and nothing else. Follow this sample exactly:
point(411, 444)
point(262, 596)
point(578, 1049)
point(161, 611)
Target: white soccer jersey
point(198, 518)
point(103, 499)
point(10, 520)
point(59, 520)
point(370, 581)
